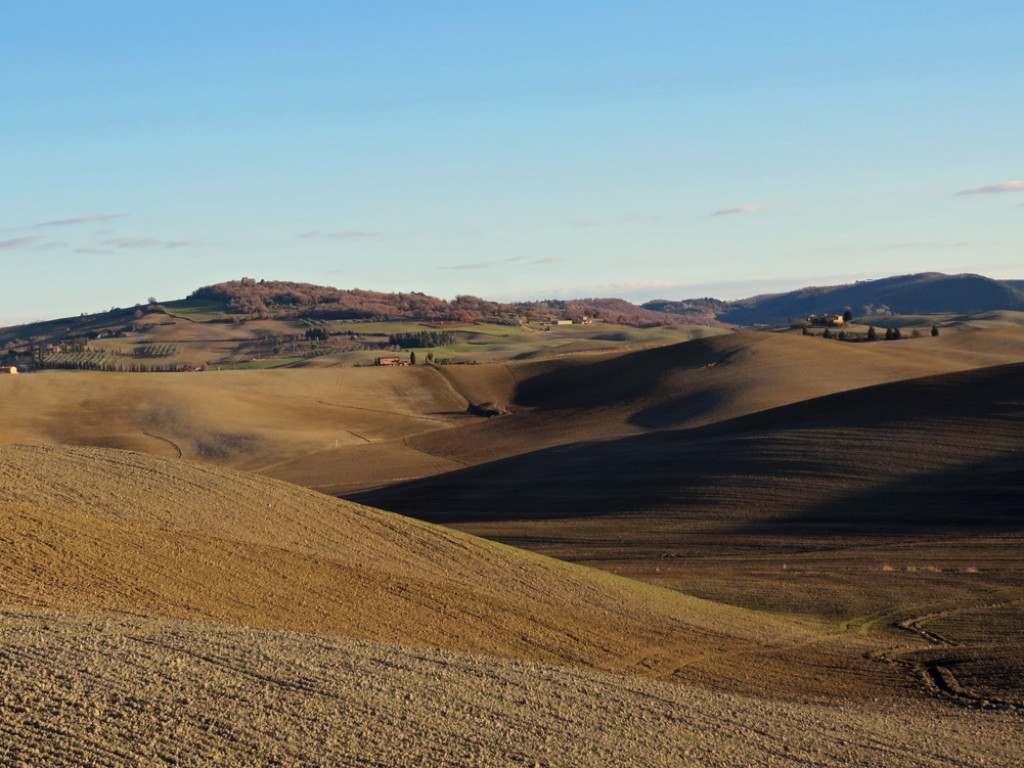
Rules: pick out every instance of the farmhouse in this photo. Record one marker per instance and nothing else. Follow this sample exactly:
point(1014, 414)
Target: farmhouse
point(8, 369)
point(391, 361)
point(826, 320)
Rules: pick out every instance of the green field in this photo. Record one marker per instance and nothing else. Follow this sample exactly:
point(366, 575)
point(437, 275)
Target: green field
point(197, 310)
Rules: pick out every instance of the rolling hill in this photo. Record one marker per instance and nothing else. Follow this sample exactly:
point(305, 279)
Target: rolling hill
point(340, 429)
point(924, 293)
point(822, 544)
point(161, 612)
point(585, 398)
point(888, 506)
point(103, 531)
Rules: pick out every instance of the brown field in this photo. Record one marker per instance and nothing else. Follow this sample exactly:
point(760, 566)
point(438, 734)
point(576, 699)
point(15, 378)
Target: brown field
point(771, 549)
point(273, 613)
point(124, 691)
point(93, 529)
point(869, 508)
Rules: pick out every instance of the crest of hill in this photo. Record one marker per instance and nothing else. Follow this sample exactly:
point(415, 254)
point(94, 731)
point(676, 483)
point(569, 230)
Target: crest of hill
point(107, 531)
point(695, 383)
point(924, 293)
point(264, 298)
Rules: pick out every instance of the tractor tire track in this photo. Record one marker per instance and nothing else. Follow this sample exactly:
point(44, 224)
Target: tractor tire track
point(936, 676)
point(171, 443)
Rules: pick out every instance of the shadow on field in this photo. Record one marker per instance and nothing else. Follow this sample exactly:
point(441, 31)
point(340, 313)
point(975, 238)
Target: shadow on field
point(982, 497)
point(618, 380)
point(942, 453)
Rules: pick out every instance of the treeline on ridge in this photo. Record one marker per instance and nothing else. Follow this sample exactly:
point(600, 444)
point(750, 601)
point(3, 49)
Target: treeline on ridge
point(266, 298)
point(422, 339)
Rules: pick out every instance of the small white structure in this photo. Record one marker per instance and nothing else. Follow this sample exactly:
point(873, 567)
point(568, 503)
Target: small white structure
point(8, 369)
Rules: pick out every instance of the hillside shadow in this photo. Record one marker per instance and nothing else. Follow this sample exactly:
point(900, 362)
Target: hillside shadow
point(677, 411)
point(620, 380)
point(632, 475)
point(980, 497)
point(842, 460)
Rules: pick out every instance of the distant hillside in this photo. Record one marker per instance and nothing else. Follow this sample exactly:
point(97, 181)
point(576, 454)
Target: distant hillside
point(925, 293)
point(275, 298)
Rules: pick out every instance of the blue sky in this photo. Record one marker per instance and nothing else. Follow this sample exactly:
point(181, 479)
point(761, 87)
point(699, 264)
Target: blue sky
point(515, 150)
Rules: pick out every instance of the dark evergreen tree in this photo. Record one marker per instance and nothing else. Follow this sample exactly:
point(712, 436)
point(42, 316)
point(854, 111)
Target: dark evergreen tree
point(935, 330)
point(872, 333)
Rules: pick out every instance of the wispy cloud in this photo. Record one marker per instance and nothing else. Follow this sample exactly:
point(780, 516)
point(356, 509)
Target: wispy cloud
point(18, 242)
point(648, 287)
point(348, 233)
point(180, 244)
point(994, 189)
point(82, 220)
point(132, 242)
point(53, 244)
point(92, 250)
point(740, 209)
point(513, 259)
point(935, 246)
point(482, 265)
point(645, 290)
